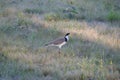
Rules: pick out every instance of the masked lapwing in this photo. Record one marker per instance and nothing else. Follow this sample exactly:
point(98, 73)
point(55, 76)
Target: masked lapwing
point(59, 42)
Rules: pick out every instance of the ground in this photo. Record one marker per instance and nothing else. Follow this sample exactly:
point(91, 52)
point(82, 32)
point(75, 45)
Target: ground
point(92, 53)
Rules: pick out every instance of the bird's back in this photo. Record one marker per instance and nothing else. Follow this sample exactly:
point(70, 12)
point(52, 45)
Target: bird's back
point(56, 42)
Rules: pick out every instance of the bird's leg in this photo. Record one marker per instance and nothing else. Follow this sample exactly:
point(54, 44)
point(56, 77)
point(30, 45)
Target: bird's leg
point(59, 51)
point(47, 49)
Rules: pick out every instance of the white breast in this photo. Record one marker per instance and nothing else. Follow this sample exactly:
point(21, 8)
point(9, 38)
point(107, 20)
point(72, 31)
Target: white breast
point(67, 38)
point(60, 45)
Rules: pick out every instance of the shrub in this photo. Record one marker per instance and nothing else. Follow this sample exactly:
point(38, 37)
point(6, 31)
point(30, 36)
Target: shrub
point(22, 19)
point(113, 16)
point(52, 16)
point(33, 10)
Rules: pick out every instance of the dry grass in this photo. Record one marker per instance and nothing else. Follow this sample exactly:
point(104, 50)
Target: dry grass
point(84, 57)
point(91, 54)
point(104, 34)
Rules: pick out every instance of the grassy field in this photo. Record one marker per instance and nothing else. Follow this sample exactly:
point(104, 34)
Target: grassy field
point(92, 53)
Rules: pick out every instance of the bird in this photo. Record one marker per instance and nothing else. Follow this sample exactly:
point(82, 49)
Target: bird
point(59, 42)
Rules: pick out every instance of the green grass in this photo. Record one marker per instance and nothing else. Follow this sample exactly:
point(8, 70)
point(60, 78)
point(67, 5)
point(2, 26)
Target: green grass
point(92, 52)
point(52, 16)
point(81, 58)
point(112, 16)
point(33, 11)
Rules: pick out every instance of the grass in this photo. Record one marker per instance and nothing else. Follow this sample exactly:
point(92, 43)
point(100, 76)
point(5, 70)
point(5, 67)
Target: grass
point(91, 54)
point(33, 11)
point(112, 16)
point(52, 16)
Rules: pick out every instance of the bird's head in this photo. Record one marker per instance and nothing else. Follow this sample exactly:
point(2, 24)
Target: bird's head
point(67, 34)
point(66, 37)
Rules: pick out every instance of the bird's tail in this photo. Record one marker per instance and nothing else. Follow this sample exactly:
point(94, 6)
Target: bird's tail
point(46, 45)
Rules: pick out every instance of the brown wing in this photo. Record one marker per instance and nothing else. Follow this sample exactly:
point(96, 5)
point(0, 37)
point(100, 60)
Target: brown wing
point(58, 41)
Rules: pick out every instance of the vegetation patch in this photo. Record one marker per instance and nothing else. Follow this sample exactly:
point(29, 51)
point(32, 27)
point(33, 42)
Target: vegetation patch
point(52, 17)
point(92, 52)
point(32, 11)
point(113, 16)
